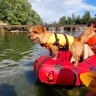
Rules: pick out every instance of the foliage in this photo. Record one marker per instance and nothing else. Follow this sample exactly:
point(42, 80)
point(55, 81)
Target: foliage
point(86, 17)
point(76, 19)
point(63, 20)
point(18, 12)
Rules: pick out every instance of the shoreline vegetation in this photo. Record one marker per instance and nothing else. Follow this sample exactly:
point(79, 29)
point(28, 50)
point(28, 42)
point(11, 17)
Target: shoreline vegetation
point(20, 12)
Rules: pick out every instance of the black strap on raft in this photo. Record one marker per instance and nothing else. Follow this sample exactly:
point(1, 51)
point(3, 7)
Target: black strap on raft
point(66, 46)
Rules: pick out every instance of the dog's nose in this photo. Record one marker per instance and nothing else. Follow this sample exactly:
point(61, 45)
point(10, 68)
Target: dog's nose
point(29, 37)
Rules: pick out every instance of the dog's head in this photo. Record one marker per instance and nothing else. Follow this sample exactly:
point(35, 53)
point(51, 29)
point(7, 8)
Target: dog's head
point(36, 33)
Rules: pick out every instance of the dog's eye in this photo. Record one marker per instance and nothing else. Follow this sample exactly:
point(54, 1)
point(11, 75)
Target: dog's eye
point(35, 32)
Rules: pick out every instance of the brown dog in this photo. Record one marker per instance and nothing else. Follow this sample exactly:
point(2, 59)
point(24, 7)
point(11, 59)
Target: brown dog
point(47, 39)
point(77, 46)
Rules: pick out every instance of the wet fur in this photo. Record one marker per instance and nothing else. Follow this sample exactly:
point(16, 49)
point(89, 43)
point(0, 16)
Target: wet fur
point(41, 35)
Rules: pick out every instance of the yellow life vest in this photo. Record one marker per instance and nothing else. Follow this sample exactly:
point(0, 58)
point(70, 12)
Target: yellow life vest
point(62, 39)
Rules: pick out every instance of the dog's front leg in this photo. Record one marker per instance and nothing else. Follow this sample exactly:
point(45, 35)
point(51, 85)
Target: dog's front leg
point(50, 50)
point(54, 51)
point(76, 61)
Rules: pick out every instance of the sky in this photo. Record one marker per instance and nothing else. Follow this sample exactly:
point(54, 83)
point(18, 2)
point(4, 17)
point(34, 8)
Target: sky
point(52, 10)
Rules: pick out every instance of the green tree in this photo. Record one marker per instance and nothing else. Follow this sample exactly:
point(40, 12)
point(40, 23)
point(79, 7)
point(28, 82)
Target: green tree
point(54, 23)
point(86, 17)
point(78, 20)
point(18, 12)
point(63, 20)
point(73, 18)
point(69, 20)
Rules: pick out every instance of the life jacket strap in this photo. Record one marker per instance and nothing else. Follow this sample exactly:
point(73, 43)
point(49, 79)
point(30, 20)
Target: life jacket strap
point(56, 43)
point(65, 47)
point(57, 40)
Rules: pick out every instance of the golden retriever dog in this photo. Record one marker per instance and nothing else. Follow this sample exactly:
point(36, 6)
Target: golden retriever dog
point(46, 38)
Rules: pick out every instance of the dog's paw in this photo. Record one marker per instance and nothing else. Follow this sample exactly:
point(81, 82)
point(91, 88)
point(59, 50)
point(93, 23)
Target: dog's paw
point(48, 56)
point(75, 65)
point(54, 58)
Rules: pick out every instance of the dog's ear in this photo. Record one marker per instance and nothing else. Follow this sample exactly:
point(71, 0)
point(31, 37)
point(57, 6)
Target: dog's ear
point(40, 29)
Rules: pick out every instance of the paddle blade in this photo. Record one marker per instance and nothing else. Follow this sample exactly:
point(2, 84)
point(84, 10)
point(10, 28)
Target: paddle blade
point(89, 79)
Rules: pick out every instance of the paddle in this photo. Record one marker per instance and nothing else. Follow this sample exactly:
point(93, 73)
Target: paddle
point(89, 79)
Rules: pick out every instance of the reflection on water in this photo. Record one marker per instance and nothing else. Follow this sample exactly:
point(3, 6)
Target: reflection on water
point(16, 51)
point(46, 90)
point(17, 77)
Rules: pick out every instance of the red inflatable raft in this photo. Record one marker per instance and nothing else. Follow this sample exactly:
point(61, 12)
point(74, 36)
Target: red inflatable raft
point(61, 71)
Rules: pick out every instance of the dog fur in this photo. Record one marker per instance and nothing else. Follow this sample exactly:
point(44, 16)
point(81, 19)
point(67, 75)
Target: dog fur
point(77, 46)
point(40, 35)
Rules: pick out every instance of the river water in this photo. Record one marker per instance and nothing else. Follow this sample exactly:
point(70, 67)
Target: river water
point(17, 78)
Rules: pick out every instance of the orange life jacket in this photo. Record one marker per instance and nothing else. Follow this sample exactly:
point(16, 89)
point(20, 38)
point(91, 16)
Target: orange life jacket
point(92, 43)
point(92, 40)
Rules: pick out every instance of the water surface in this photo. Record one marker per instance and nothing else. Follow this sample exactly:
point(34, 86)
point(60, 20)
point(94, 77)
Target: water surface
point(17, 78)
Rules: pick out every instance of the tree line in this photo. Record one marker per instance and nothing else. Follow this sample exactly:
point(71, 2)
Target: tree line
point(20, 12)
point(75, 19)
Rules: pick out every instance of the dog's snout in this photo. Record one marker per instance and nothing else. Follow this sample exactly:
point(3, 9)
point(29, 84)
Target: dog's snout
point(29, 37)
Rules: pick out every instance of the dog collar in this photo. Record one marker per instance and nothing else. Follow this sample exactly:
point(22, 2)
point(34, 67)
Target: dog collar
point(47, 43)
point(42, 44)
